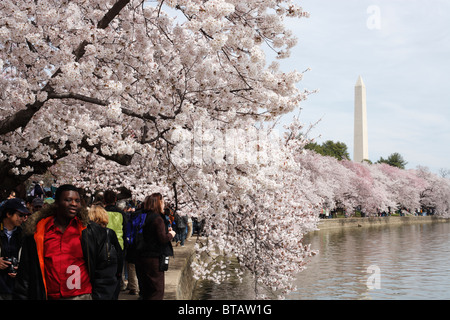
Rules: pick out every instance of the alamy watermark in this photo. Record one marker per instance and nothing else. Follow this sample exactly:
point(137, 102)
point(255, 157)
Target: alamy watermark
point(374, 280)
point(73, 281)
point(374, 20)
point(206, 146)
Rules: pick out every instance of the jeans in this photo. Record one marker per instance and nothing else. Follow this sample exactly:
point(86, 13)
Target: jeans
point(182, 235)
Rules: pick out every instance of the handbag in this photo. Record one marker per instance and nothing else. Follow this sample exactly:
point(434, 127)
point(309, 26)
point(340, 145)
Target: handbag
point(163, 263)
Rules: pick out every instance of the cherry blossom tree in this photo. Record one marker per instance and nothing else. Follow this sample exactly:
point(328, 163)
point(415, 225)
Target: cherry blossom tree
point(371, 188)
point(330, 181)
point(117, 93)
point(436, 194)
point(367, 193)
point(402, 186)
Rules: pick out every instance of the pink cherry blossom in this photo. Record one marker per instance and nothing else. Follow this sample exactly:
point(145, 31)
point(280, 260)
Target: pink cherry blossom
point(118, 93)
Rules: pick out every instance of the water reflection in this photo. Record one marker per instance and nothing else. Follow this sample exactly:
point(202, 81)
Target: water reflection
point(232, 289)
point(413, 262)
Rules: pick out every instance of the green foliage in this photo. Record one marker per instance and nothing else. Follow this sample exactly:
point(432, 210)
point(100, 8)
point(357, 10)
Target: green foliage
point(395, 160)
point(331, 149)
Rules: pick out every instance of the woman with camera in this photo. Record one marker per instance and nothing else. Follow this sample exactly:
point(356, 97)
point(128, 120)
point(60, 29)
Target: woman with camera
point(13, 213)
point(153, 258)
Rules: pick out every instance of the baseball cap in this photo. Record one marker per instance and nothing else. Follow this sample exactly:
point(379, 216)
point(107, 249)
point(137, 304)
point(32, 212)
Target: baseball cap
point(37, 202)
point(16, 204)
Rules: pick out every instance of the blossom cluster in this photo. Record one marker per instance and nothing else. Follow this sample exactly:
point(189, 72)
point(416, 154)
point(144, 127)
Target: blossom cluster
point(373, 188)
point(154, 103)
point(102, 98)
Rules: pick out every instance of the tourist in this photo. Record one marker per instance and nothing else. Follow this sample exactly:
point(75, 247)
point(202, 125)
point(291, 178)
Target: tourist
point(150, 265)
point(39, 190)
point(116, 222)
point(115, 215)
point(63, 254)
point(135, 219)
point(12, 195)
point(48, 198)
point(198, 226)
point(181, 229)
point(11, 218)
point(36, 205)
point(98, 215)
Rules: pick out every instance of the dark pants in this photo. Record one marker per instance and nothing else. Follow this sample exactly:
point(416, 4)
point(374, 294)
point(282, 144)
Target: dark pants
point(181, 233)
point(151, 280)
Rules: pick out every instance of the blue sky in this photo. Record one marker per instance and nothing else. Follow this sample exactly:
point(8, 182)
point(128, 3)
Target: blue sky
point(401, 48)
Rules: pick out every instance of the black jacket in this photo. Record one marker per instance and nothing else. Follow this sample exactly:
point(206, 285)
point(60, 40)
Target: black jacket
point(94, 242)
point(156, 237)
point(9, 249)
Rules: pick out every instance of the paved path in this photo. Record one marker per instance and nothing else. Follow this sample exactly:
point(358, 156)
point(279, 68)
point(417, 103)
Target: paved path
point(173, 275)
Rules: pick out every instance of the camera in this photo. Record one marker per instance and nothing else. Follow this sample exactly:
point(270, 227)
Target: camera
point(163, 263)
point(14, 263)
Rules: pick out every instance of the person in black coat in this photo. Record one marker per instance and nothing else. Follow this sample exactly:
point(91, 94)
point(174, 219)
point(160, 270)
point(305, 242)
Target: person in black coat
point(12, 215)
point(156, 250)
point(100, 216)
point(39, 191)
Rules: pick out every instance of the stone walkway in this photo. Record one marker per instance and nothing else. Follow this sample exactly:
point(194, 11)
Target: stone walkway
point(178, 279)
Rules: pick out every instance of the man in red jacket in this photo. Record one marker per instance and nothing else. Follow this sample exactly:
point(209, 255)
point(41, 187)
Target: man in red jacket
point(65, 270)
point(64, 256)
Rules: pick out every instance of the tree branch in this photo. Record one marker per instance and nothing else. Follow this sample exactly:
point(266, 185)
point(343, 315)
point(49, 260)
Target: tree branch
point(21, 118)
point(10, 180)
point(77, 96)
point(112, 13)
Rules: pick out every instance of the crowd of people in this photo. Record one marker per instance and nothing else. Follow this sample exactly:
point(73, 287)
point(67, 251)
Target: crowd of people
point(56, 246)
point(326, 213)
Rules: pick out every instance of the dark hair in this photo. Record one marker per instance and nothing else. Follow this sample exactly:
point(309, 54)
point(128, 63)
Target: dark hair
point(110, 197)
point(65, 187)
point(153, 203)
point(4, 211)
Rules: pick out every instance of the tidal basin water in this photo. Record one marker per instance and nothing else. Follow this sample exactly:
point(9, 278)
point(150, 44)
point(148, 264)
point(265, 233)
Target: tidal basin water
point(378, 263)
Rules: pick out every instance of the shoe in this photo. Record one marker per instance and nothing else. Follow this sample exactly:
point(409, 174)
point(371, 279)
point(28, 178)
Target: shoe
point(133, 293)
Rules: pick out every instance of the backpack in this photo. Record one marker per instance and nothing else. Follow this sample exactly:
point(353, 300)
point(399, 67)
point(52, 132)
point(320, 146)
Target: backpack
point(180, 221)
point(134, 239)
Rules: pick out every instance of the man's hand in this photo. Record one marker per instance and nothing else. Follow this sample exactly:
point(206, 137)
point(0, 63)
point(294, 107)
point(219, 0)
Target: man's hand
point(4, 263)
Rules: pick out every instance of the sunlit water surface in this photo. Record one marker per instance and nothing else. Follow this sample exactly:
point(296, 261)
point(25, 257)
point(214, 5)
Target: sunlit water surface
point(413, 263)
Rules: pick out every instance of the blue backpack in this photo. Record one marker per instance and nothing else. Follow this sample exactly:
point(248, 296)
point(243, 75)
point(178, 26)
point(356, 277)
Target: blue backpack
point(134, 238)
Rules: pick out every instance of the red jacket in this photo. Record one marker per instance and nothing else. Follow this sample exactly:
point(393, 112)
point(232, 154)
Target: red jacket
point(65, 269)
point(101, 263)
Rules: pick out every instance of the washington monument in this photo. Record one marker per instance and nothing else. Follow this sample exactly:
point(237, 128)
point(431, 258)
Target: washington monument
point(360, 146)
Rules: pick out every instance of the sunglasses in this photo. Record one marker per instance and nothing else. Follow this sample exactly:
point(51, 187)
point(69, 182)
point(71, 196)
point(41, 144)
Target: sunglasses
point(22, 215)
